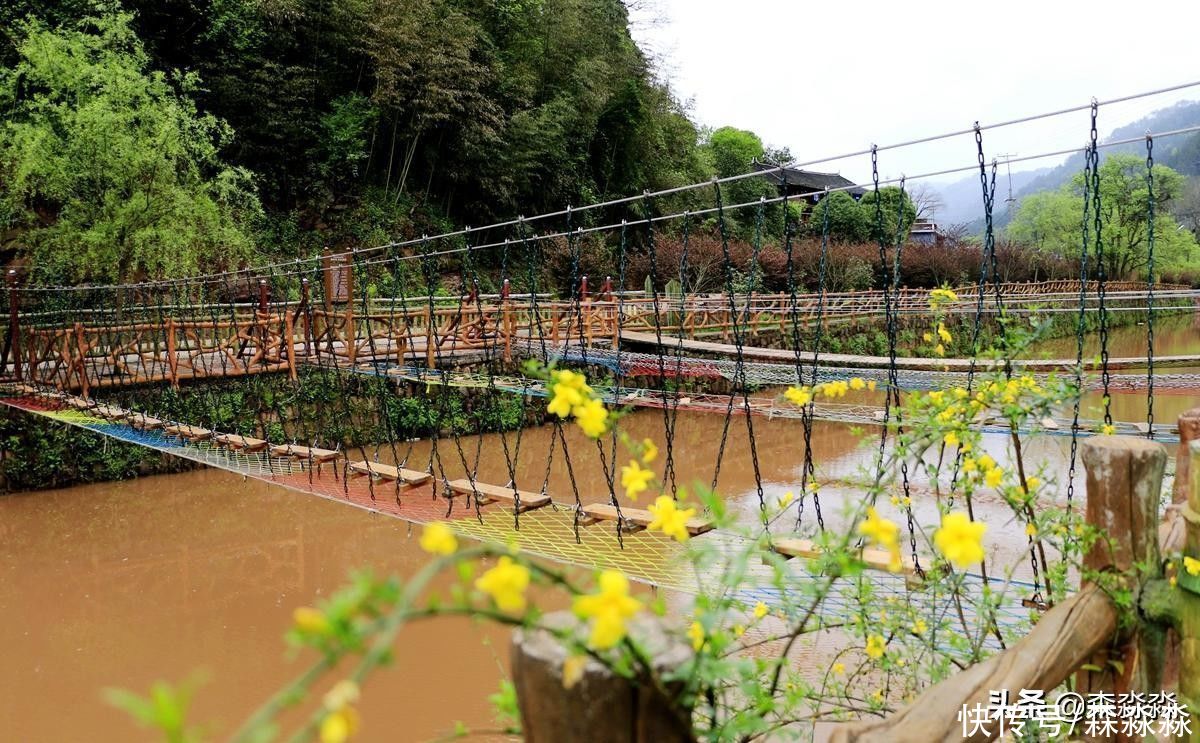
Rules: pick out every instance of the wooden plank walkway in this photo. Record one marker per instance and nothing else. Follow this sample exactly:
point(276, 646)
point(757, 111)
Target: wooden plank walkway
point(903, 362)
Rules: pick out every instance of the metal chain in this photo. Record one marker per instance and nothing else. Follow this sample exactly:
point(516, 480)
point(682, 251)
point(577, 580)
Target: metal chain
point(1081, 328)
point(1150, 286)
point(1101, 269)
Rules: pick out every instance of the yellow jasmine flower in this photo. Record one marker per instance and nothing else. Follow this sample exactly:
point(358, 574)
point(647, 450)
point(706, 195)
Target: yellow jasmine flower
point(506, 584)
point(739, 630)
point(438, 539)
point(993, 477)
point(669, 518)
point(786, 500)
point(927, 337)
point(1033, 483)
point(960, 540)
point(695, 633)
point(1191, 565)
point(839, 669)
point(871, 385)
point(569, 390)
point(857, 383)
point(944, 334)
point(951, 438)
point(876, 646)
point(879, 530)
point(939, 349)
point(310, 621)
point(608, 609)
point(799, 396)
point(592, 417)
point(1107, 429)
point(649, 451)
point(339, 726)
point(760, 610)
point(969, 465)
point(635, 479)
point(986, 462)
point(919, 627)
point(1030, 530)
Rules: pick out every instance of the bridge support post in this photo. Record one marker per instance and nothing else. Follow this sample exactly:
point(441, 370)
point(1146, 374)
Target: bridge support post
point(14, 323)
point(600, 705)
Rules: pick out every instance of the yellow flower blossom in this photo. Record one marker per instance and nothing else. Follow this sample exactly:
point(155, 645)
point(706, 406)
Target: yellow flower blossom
point(310, 621)
point(927, 337)
point(870, 385)
point(799, 396)
point(695, 633)
point(994, 477)
point(760, 610)
point(951, 438)
point(919, 627)
point(649, 451)
point(857, 383)
point(833, 389)
point(592, 417)
point(968, 465)
point(960, 540)
point(839, 669)
point(786, 500)
point(879, 530)
point(944, 334)
point(876, 646)
point(569, 390)
point(1107, 429)
point(339, 726)
point(506, 584)
point(939, 349)
point(1191, 565)
point(669, 518)
point(635, 479)
point(1030, 530)
point(739, 630)
point(609, 608)
point(1033, 483)
point(438, 539)
point(986, 462)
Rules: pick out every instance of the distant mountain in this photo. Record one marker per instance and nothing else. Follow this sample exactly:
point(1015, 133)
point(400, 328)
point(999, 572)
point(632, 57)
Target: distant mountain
point(963, 199)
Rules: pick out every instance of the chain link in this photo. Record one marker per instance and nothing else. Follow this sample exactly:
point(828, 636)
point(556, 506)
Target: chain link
point(1101, 269)
point(1150, 217)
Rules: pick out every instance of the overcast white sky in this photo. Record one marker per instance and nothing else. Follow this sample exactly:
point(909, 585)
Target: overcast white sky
point(830, 77)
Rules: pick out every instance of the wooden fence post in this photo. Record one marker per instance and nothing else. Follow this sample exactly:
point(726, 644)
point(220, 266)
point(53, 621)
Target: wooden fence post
point(601, 705)
point(1124, 482)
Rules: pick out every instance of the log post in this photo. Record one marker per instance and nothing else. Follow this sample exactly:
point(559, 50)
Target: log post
point(1188, 614)
point(601, 705)
point(1124, 482)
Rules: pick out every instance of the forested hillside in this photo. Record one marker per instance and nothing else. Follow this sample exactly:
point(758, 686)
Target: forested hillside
point(215, 129)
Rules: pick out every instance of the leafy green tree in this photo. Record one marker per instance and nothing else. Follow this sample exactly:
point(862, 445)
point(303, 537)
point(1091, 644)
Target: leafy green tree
point(1054, 221)
point(848, 221)
point(895, 216)
point(107, 171)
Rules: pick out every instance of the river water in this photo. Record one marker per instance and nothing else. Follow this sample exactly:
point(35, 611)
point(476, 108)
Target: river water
point(197, 574)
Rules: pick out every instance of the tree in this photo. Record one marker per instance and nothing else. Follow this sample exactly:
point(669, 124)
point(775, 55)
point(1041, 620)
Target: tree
point(106, 169)
point(927, 201)
point(1054, 221)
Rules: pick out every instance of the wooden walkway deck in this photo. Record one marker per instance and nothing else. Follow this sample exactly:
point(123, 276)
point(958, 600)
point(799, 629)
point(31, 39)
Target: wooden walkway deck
point(903, 362)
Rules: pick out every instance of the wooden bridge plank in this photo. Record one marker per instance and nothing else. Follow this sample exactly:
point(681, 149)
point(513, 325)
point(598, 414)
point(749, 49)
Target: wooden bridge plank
point(143, 422)
point(490, 493)
point(238, 442)
point(639, 517)
point(874, 559)
point(312, 453)
point(388, 472)
point(191, 433)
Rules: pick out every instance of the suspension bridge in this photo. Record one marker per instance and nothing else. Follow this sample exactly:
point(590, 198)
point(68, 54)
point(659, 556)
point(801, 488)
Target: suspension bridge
point(97, 357)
